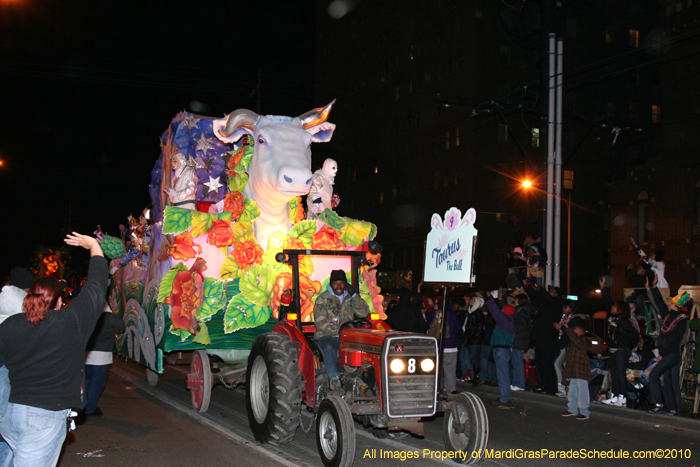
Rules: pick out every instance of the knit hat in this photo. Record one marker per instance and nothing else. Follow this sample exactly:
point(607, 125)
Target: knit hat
point(571, 304)
point(682, 301)
point(338, 275)
point(21, 278)
point(659, 255)
point(508, 310)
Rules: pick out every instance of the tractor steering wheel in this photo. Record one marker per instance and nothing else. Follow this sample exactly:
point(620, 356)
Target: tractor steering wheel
point(362, 323)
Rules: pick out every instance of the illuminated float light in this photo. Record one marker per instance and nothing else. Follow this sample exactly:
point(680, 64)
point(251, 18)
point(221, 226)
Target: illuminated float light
point(374, 316)
point(291, 316)
point(427, 365)
point(396, 365)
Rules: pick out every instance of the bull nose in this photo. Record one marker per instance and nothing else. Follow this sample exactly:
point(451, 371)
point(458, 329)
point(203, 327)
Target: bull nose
point(287, 179)
point(309, 181)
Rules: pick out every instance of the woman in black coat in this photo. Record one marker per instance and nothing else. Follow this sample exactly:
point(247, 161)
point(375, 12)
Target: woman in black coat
point(674, 314)
point(622, 338)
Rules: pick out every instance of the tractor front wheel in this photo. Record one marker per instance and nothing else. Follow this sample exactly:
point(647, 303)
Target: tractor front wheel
point(474, 437)
point(335, 433)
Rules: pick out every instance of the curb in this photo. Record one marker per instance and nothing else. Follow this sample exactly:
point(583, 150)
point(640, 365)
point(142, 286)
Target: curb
point(602, 410)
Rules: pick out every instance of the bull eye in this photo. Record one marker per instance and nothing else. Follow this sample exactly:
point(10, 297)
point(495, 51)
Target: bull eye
point(261, 140)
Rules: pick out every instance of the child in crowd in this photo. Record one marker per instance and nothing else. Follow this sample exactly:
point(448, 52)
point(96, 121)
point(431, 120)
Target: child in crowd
point(577, 370)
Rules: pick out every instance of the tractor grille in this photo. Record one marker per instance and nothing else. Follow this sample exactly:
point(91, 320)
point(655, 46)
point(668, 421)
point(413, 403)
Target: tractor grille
point(411, 393)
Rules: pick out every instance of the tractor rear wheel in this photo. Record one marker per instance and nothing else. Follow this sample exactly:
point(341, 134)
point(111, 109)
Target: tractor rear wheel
point(472, 442)
point(273, 389)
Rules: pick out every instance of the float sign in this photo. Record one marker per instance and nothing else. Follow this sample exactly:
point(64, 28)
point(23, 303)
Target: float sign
point(450, 248)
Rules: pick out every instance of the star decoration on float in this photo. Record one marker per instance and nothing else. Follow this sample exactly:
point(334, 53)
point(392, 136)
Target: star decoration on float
point(198, 164)
point(213, 184)
point(204, 143)
point(190, 121)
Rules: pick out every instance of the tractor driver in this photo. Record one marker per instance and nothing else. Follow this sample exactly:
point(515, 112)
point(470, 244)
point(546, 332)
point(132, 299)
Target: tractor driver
point(336, 305)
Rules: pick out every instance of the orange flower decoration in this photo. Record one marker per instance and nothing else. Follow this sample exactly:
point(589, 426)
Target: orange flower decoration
point(300, 214)
point(220, 235)
point(327, 239)
point(308, 287)
point(247, 253)
point(306, 265)
point(184, 248)
point(233, 203)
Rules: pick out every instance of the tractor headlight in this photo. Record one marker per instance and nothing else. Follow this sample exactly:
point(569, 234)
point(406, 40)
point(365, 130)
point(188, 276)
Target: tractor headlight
point(427, 365)
point(396, 365)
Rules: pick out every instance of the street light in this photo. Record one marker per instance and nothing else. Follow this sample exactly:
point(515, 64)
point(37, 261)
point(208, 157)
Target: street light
point(527, 184)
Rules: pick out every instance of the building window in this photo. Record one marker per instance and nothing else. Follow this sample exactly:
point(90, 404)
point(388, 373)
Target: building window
point(568, 180)
point(381, 197)
point(642, 217)
point(634, 111)
point(397, 93)
point(634, 37)
point(655, 114)
point(455, 180)
point(610, 35)
point(504, 56)
point(535, 137)
point(393, 193)
point(447, 140)
point(457, 137)
point(376, 170)
point(502, 133)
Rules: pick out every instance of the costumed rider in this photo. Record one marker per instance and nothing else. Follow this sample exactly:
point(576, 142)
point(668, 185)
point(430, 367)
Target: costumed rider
point(183, 192)
point(321, 195)
point(139, 240)
point(338, 304)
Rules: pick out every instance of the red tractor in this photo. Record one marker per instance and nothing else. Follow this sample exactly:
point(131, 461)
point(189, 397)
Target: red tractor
point(389, 382)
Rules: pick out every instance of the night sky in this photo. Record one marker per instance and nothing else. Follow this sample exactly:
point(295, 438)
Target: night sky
point(88, 87)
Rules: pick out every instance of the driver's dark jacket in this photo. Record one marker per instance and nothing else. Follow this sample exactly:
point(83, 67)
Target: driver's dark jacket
point(330, 314)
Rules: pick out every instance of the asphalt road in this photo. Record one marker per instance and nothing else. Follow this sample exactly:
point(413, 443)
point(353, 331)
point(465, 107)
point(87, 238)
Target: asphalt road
point(156, 426)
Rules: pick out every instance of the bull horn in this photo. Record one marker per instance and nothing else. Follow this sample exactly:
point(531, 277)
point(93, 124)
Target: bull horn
point(316, 116)
point(241, 118)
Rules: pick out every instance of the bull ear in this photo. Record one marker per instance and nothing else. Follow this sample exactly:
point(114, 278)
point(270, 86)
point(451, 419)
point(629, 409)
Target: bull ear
point(321, 133)
point(235, 136)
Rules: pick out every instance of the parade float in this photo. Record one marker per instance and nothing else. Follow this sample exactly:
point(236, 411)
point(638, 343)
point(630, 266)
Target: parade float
point(197, 270)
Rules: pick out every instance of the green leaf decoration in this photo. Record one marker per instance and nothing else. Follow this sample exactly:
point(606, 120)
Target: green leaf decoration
point(214, 298)
point(166, 285)
point(229, 269)
point(274, 246)
point(181, 333)
point(332, 219)
point(292, 208)
point(176, 220)
point(239, 182)
point(355, 232)
point(232, 289)
point(201, 223)
point(243, 231)
point(251, 211)
point(304, 231)
point(202, 336)
point(241, 314)
point(247, 156)
point(256, 284)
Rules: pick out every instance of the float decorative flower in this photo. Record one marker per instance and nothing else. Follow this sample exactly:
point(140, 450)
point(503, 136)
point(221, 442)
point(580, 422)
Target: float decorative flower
point(327, 238)
point(184, 248)
point(234, 203)
point(220, 235)
point(247, 253)
point(308, 288)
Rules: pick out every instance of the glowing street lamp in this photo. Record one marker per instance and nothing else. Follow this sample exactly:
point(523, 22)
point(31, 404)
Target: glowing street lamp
point(527, 184)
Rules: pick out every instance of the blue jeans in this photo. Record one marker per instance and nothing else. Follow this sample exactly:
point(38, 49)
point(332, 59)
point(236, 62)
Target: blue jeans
point(517, 368)
point(329, 348)
point(579, 398)
point(502, 357)
point(5, 455)
point(95, 381)
point(488, 372)
point(668, 369)
point(35, 435)
point(464, 360)
point(4, 390)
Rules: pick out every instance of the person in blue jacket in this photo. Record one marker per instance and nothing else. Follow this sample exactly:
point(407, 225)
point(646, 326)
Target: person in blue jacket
point(501, 343)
